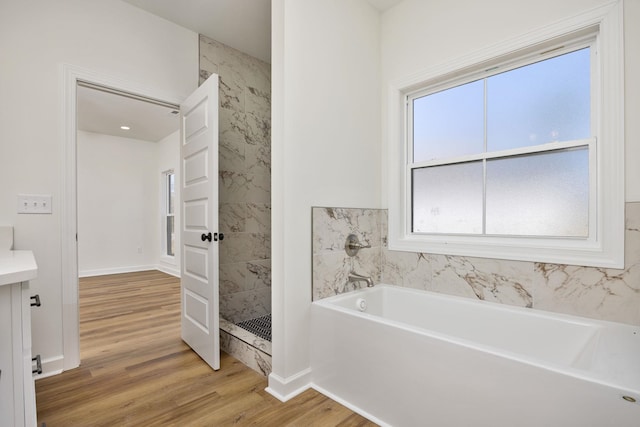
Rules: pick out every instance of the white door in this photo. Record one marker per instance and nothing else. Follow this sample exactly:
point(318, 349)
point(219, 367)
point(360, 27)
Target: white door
point(199, 230)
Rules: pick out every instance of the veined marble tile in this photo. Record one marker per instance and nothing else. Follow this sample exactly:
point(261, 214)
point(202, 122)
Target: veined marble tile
point(244, 276)
point(258, 218)
point(490, 280)
point(255, 359)
point(233, 277)
point(331, 226)
point(258, 274)
point(601, 293)
point(258, 130)
point(257, 102)
point(233, 187)
point(589, 292)
point(245, 305)
point(258, 160)
point(231, 93)
point(246, 336)
point(238, 247)
point(330, 275)
point(408, 269)
point(258, 188)
point(231, 160)
point(233, 130)
point(368, 262)
point(232, 217)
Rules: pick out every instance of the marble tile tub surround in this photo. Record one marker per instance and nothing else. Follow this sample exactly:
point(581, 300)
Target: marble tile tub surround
point(244, 178)
point(600, 293)
point(331, 264)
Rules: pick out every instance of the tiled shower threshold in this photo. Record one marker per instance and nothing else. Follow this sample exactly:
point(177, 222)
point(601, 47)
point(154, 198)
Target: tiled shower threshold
point(250, 349)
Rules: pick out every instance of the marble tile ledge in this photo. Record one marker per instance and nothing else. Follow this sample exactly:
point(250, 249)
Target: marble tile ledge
point(246, 336)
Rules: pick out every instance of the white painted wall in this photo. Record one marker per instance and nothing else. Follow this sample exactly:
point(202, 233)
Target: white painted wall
point(36, 37)
point(118, 192)
point(418, 34)
point(325, 150)
point(168, 158)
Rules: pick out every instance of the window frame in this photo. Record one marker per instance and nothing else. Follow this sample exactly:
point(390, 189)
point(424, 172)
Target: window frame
point(590, 143)
point(605, 245)
point(166, 214)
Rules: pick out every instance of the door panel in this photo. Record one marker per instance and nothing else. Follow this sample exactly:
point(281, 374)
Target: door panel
point(199, 205)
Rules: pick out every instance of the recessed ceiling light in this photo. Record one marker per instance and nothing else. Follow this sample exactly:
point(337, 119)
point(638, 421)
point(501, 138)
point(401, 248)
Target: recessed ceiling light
point(125, 127)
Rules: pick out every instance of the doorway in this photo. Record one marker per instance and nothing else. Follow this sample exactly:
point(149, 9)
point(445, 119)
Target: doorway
point(74, 76)
point(125, 146)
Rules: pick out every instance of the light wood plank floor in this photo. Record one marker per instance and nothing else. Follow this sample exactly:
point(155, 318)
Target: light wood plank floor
point(136, 371)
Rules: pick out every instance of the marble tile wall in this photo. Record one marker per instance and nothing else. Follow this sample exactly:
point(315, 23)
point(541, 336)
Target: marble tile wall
point(600, 293)
point(331, 264)
point(244, 178)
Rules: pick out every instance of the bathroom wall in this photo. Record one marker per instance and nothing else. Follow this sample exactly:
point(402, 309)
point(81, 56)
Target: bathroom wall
point(109, 37)
point(598, 293)
point(245, 178)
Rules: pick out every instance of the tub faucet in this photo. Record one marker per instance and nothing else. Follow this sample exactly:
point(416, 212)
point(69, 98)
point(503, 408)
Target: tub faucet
point(355, 277)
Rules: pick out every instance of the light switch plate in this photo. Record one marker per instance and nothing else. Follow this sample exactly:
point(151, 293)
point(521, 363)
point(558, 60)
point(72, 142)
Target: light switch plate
point(34, 204)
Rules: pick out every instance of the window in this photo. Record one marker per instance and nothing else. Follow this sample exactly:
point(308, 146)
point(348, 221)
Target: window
point(169, 217)
point(507, 154)
point(515, 152)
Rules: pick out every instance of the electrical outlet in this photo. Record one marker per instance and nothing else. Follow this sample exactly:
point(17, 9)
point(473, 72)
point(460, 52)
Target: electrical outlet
point(34, 204)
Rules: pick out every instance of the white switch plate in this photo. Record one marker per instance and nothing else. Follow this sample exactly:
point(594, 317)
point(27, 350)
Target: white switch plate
point(34, 204)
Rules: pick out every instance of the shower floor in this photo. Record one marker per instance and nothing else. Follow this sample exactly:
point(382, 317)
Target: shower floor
point(260, 326)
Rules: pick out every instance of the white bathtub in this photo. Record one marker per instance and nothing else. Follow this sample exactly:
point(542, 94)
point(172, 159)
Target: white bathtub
point(416, 358)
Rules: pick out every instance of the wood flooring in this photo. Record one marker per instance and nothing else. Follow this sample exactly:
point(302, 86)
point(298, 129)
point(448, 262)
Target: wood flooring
point(136, 371)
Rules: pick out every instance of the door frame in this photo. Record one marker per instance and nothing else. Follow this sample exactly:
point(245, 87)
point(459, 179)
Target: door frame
point(71, 74)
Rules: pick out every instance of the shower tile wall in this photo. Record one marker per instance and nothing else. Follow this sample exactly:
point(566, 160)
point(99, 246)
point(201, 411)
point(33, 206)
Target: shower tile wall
point(600, 293)
point(245, 178)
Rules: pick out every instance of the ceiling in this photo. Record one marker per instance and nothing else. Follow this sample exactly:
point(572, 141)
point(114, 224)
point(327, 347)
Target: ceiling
point(102, 112)
point(244, 25)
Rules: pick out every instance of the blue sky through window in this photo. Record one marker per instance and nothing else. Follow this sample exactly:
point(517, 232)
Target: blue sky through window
point(539, 103)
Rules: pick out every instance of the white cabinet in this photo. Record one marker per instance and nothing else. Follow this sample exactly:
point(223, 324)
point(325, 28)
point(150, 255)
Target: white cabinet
point(17, 387)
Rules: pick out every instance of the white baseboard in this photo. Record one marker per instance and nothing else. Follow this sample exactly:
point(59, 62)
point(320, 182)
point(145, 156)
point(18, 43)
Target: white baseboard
point(116, 270)
point(51, 366)
point(284, 389)
point(169, 270)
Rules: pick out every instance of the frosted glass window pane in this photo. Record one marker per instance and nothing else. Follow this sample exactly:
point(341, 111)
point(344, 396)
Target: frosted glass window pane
point(449, 123)
point(540, 103)
point(448, 199)
point(539, 194)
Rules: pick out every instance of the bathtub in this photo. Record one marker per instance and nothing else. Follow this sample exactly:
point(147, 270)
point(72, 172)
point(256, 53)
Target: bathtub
point(404, 357)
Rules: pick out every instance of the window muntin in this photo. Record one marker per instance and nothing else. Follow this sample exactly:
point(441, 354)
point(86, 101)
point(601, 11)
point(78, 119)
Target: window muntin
point(507, 127)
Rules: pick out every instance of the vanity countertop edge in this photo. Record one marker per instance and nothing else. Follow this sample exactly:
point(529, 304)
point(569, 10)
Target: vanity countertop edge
point(17, 266)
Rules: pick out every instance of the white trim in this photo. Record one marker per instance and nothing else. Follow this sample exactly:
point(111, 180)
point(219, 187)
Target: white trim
point(607, 249)
point(173, 271)
point(70, 75)
point(284, 389)
point(50, 367)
